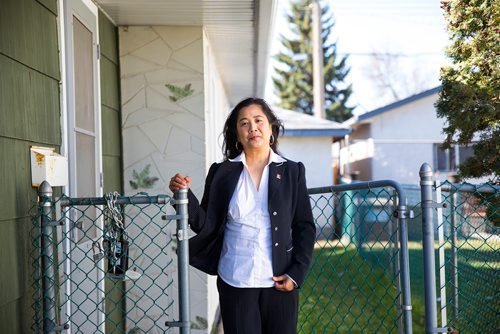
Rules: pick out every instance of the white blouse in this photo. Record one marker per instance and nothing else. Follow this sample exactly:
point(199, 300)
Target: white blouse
point(246, 257)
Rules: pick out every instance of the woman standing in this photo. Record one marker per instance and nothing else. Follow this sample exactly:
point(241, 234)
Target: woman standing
point(254, 225)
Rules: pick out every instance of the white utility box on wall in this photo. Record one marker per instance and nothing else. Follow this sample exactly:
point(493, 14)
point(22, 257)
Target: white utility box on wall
point(47, 165)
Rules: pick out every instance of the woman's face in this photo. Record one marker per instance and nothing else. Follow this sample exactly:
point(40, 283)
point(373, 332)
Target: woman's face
point(253, 128)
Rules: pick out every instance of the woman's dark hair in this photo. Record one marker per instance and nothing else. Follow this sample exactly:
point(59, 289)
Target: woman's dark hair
point(229, 147)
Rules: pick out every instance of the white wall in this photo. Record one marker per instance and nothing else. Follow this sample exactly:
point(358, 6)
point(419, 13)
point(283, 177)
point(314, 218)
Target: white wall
point(216, 110)
point(400, 161)
point(167, 132)
point(404, 139)
point(415, 121)
point(315, 153)
point(217, 106)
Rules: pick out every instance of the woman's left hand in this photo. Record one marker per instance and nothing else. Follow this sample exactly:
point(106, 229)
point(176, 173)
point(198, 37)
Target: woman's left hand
point(283, 283)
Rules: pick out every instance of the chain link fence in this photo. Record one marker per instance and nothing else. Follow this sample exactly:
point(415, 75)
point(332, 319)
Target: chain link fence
point(467, 248)
point(104, 265)
point(356, 261)
point(355, 283)
point(107, 265)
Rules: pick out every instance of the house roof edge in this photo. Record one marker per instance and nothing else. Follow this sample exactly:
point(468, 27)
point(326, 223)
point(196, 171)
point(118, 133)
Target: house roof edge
point(397, 104)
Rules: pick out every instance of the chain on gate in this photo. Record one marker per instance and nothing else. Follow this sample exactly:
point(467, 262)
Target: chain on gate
point(114, 245)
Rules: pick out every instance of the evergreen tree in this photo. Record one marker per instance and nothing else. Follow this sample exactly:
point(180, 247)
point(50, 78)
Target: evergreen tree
point(469, 99)
point(294, 75)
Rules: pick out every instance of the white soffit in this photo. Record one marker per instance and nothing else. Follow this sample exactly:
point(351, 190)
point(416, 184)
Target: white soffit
point(239, 31)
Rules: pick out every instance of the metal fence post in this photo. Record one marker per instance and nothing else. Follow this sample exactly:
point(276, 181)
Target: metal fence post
point(405, 263)
point(181, 201)
point(441, 255)
point(426, 184)
point(395, 264)
point(47, 258)
point(453, 254)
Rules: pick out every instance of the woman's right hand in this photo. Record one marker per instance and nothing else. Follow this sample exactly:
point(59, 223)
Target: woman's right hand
point(179, 181)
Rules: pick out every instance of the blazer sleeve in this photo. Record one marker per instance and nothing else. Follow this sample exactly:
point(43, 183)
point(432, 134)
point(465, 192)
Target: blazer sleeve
point(303, 231)
point(197, 211)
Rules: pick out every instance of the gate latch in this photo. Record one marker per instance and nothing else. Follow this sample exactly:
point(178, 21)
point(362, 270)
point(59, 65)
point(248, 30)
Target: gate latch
point(433, 205)
point(185, 324)
point(404, 213)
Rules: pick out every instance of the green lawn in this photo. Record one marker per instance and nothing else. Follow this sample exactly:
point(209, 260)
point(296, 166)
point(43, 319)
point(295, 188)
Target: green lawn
point(346, 293)
point(478, 270)
point(354, 292)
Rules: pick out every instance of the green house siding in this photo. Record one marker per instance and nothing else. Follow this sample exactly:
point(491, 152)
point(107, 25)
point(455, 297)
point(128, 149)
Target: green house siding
point(28, 34)
point(30, 105)
point(111, 147)
point(29, 115)
point(110, 105)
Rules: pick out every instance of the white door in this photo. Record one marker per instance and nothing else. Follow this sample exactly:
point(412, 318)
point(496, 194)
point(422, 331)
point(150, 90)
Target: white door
point(85, 286)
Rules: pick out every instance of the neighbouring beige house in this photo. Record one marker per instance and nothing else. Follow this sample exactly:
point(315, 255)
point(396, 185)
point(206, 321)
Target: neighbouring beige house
point(393, 141)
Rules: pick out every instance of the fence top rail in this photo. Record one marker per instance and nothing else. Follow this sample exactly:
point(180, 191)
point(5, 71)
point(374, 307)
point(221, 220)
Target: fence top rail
point(484, 188)
point(360, 186)
point(121, 200)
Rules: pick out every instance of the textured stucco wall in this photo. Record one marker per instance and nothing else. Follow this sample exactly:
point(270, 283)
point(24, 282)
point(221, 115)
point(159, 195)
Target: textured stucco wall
point(163, 126)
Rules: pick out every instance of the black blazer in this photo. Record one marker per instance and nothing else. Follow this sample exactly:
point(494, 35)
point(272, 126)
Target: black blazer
point(292, 225)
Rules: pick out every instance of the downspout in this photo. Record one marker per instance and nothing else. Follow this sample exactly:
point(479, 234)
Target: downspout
point(256, 46)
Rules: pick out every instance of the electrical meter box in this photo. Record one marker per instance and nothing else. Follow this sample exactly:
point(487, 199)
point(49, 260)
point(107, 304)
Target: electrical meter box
point(47, 165)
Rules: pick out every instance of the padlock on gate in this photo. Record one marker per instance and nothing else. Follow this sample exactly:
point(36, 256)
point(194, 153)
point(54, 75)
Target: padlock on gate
point(118, 258)
point(97, 251)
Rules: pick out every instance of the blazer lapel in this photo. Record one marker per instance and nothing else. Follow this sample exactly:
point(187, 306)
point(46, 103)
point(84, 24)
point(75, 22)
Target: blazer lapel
point(228, 176)
point(275, 178)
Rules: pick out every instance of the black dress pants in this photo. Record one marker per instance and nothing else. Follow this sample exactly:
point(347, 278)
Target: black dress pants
point(257, 310)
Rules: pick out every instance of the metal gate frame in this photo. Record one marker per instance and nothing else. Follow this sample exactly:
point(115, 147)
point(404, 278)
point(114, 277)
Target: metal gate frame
point(50, 304)
point(401, 214)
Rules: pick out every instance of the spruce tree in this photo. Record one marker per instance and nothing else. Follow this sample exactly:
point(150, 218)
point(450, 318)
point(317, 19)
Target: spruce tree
point(293, 81)
point(469, 99)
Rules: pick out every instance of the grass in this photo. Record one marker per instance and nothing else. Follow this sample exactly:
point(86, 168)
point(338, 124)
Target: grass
point(478, 285)
point(349, 291)
point(345, 293)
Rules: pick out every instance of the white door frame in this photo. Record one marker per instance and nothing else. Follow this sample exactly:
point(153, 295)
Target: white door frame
point(87, 13)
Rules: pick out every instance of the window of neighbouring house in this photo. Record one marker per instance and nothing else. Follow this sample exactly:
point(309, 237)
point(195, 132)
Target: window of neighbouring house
point(464, 153)
point(446, 160)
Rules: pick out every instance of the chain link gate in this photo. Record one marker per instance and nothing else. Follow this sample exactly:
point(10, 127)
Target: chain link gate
point(106, 264)
point(359, 281)
point(461, 247)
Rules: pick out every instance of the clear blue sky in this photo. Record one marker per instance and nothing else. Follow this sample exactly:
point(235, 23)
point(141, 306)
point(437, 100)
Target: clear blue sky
point(414, 29)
